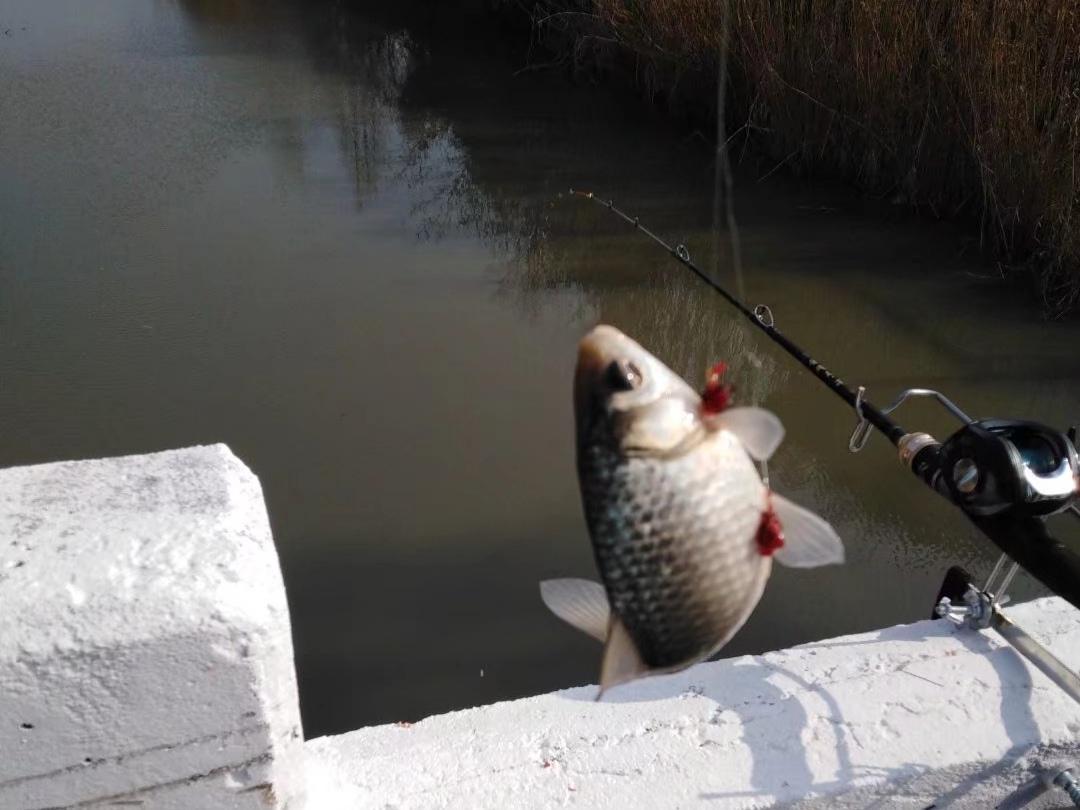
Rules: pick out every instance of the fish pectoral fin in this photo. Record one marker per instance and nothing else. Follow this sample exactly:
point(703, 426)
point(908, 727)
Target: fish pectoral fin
point(757, 429)
point(808, 540)
point(581, 603)
point(622, 661)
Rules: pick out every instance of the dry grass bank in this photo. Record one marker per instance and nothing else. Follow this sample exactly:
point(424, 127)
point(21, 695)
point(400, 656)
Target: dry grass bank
point(962, 108)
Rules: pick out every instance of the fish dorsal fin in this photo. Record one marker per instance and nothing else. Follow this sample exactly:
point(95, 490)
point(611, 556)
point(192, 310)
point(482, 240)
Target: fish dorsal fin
point(581, 603)
point(757, 429)
point(622, 661)
point(808, 540)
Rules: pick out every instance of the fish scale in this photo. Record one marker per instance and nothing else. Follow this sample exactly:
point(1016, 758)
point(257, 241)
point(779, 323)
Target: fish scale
point(674, 539)
point(683, 530)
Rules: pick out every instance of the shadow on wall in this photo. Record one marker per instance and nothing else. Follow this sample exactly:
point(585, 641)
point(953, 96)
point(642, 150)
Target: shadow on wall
point(773, 711)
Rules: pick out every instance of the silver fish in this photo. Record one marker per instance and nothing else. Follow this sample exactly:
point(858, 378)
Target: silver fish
point(683, 529)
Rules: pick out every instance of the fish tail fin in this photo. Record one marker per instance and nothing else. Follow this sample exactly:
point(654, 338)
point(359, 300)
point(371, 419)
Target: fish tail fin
point(581, 603)
point(808, 540)
point(622, 661)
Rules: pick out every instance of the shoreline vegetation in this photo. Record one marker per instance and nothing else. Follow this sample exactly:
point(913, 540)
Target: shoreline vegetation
point(959, 109)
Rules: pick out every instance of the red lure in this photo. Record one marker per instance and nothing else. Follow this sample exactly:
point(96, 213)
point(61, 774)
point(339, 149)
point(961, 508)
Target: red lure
point(717, 394)
point(715, 399)
point(770, 534)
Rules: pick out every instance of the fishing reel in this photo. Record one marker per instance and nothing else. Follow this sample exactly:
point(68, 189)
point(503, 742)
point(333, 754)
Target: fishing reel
point(998, 465)
point(991, 467)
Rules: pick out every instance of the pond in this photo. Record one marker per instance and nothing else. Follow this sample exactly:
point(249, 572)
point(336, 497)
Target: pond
point(339, 240)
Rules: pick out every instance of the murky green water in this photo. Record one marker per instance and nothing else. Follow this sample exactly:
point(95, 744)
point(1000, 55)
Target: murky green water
point(337, 241)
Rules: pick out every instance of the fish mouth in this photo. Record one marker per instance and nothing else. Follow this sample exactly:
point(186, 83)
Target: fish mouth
point(595, 352)
point(655, 413)
point(599, 347)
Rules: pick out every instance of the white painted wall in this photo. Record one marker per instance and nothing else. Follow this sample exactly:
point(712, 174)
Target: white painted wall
point(909, 717)
point(146, 661)
point(145, 650)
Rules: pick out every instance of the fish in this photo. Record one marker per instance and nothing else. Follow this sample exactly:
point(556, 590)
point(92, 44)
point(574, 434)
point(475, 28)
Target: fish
point(684, 529)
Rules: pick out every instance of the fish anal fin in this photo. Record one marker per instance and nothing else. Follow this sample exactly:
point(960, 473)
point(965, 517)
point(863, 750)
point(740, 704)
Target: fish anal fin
point(758, 430)
point(581, 603)
point(622, 661)
point(808, 540)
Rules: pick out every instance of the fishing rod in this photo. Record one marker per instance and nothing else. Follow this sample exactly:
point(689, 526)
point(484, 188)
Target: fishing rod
point(761, 316)
point(1007, 476)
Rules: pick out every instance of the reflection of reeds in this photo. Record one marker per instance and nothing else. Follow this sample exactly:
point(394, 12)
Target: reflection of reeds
point(448, 199)
point(957, 107)
point(368, 107)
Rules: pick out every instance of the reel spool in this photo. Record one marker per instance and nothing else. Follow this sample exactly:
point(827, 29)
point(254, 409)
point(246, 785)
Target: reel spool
point(999, 465)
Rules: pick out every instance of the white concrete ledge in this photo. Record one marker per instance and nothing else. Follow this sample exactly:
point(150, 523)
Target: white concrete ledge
point(146, 661)
point(145, 649)
point(917, 716)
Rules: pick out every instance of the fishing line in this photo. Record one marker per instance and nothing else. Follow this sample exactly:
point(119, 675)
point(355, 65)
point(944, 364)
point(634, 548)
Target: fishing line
point(723, 184)
point(1006, 476)
point(723, 199)
point(762, 317)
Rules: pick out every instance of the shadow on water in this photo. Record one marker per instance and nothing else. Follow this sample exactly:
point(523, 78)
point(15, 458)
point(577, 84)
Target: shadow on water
point(335, 236)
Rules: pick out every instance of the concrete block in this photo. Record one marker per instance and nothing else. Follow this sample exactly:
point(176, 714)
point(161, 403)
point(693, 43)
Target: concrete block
point(917, 716)
point(145, 649)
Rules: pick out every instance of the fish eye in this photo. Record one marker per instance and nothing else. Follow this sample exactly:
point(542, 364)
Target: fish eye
point(622, 375)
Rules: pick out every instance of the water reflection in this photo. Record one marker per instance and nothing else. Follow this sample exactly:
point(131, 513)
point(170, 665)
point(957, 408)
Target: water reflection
point(337, 237)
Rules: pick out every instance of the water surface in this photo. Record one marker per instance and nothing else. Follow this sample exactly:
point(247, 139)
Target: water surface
point(338, 240)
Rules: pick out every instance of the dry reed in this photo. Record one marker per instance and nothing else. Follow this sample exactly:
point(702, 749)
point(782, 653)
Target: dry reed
point(961, 108)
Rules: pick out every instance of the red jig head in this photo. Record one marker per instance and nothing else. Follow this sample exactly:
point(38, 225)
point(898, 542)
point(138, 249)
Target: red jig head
point(770, 533)
point(717, 394)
